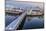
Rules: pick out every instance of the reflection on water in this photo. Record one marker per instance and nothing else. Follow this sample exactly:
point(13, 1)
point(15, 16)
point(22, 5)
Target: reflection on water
point(9, 19)
point(29, 22)
point(33, 22)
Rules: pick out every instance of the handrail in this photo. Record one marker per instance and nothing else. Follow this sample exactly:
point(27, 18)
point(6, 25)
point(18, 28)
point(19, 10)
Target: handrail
point(15, 23)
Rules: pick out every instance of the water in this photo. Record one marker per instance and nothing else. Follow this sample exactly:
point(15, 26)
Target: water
point(9, 19)
point(29, 22)
point(33, 22)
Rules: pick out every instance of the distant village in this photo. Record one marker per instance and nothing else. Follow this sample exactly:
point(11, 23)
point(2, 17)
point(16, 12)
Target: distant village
point(31, 11)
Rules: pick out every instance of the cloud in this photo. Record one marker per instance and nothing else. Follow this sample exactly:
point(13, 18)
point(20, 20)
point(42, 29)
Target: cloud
point(30, 0)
